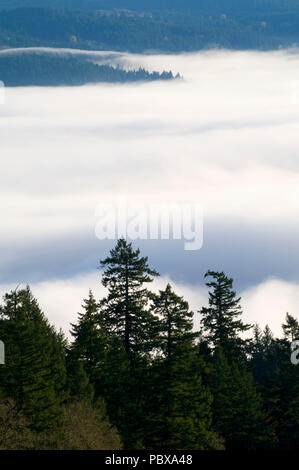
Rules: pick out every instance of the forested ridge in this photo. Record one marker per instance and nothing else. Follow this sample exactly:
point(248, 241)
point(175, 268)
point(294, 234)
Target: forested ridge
point(163, 30)
point(148, 27)
point(137, 374)
point(194, 6)
point(47, 69)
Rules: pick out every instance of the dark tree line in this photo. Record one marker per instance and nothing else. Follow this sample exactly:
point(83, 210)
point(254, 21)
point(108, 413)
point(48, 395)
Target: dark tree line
point(42, 69)
point(136, 357)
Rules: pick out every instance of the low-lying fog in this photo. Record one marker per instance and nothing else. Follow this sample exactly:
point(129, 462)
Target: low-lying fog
point(224, 137)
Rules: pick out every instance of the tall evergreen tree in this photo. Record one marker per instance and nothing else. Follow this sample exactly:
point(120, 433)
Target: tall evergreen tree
point(291, 328)
point(221, 321)
point(90, 341)
point(238, 414)
point(175, 323)
point(125, 307)
point(280, 386)
point(123, 396)
point(281, 394)
point(34, 374)
point(178, 406)
point(260, 355)
point(129, 321)
point(257, 354)
point(267, 338)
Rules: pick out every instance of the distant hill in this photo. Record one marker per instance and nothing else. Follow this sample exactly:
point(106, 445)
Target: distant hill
point(209, 7)
point(167, 32)
point(27, 68)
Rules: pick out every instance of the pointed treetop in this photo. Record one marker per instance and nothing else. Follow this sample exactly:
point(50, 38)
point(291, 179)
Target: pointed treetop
point(221, 320)
point(291, 328)
point(123, 259)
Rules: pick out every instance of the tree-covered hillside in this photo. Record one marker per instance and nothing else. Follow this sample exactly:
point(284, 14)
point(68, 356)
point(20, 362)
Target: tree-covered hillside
point(210, 7)
point(169, 32)
point(46, 69)
point(137, 363)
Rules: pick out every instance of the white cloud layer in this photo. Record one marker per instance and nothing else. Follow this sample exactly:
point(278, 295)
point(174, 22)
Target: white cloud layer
point(226, 136)
point(229, 129)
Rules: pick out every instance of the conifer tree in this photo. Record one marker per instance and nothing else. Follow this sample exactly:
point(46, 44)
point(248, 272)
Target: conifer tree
point(178, 406)
point(284, 404)
point(90, 341)
point(221, 321)
point(175, 326)
point(260, 355)
point(125, 307)
point(78, 384)
point(128, 321)
point(123, 394)
point(267, 338)
point(34, 374)
point(291, 328)
point(280, 390)
point(238, 414)
point(257, 358)
point(58, 344)
point(257, 342)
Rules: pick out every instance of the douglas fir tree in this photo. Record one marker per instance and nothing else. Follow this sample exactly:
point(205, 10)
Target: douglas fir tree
point(178, 406)
point(221, 321)
point(130, 327)
point(34, 374)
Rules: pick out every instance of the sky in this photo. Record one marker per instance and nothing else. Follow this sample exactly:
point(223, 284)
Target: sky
point(225, 137)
